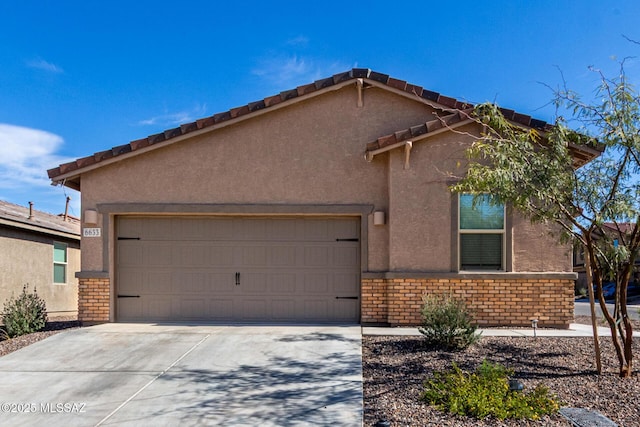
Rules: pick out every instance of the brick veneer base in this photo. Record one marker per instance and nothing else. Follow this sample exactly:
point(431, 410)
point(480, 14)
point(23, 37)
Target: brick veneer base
point(493, 302)
point(93, 300)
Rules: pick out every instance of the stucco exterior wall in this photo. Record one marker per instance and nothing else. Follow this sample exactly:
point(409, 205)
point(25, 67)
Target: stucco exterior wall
point(420, 216)
point(313, 153)
point(28, 260)
point(536, 247)
point(309, 153)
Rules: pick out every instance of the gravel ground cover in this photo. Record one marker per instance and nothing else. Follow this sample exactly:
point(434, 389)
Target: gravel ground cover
point(395, 368)
point(53, 327)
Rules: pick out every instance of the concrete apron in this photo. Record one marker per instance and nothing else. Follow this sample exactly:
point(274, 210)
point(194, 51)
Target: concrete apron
point(167, 375)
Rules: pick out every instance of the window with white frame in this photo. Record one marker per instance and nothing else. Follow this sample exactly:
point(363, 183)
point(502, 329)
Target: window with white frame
point(481, 233)
point(60, 262)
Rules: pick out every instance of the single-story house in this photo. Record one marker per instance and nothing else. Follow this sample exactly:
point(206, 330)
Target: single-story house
point(43, 251)
point(328, 202)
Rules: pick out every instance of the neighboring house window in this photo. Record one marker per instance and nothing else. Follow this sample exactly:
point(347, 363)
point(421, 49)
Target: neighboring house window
point(59, 262)
point(481, 234)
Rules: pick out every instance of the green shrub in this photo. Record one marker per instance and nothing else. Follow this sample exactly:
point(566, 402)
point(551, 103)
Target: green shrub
point(447, 323)
point(486, 393)
point(25, 314)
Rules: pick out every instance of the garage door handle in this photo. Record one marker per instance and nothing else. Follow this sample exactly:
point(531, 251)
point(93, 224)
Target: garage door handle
point(128, 296)
point(346, 297)
point(237, 279)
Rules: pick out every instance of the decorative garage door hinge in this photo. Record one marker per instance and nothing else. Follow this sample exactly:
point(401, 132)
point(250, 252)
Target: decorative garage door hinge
point(354, 239)
point(128, 296)
point(128, 238)
point(346, 297)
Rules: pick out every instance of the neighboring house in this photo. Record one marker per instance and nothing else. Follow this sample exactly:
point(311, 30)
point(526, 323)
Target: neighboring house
point(325, 203)
point(43, 251)
point(613, 231)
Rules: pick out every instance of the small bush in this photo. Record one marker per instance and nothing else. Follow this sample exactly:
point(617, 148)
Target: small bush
point(25, 314)
point(486, 393)
point(447, 323)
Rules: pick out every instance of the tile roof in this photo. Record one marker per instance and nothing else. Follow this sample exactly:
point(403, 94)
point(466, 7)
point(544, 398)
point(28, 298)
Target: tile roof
point(421, 129)
point(623, 227)
point(434, 99)
point(18, 217)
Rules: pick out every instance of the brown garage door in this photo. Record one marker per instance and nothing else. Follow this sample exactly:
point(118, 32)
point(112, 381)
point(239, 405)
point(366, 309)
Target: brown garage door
point(238, 269)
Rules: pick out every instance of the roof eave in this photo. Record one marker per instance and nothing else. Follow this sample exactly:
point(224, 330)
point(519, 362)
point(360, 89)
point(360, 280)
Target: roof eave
point(71, 179)
point(39, 229)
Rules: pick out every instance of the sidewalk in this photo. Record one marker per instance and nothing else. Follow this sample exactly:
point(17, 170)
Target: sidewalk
point(575, 330)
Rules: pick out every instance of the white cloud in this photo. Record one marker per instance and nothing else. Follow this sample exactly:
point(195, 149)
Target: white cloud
point(285, 71)
point(41, 64)
point(298, 41)
point(289, 66)
point(178, 118)
point(25, 156)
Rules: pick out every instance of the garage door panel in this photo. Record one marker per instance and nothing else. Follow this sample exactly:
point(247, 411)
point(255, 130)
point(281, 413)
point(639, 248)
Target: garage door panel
point(250, 229)
point(284, 310)
point(131, 227)
point(345, 229)
point(284, 256)
point(130, 308)
point(254, 256)
point(188, 282)
point(255, 309)
point(192, 229)
point(239, 269)
point(345, 309)
point(191, 255)
point(220, 256)
point(222, 282)
point(345, 256)
point(194, 308)
point(283, 230)
point(316, 230)
point(283, 283)
point(315, 309)
point(157, 307)
point(221, 308)
point(130, 254)
point(131, 280)
point(316, 256)
point(253, 283)
point(316, 283)
point(158, 282)
point(159, 228)
point(158, 254)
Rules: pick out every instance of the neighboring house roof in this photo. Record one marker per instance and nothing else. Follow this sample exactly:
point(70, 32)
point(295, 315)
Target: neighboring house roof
point(33, 220)
point(622, 227)
point(69, 173)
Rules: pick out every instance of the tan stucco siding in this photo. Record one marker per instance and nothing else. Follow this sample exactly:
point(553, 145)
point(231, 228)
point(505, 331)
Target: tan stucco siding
point(420, 218)
point(536, 247)
point(28, 260)
point(312, 153)
point(309, 153)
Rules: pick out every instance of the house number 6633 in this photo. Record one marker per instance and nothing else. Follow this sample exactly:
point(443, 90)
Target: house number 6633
point(91, 232)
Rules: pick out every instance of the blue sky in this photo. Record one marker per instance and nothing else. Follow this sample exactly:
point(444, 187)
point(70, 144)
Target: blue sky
point(77, 77)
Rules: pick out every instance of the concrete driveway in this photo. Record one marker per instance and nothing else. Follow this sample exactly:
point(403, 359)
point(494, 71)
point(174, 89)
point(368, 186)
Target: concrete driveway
point(168, 375)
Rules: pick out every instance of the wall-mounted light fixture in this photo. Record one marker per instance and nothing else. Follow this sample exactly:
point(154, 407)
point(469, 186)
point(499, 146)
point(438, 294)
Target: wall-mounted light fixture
point(91, 217)
point(378, 218)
